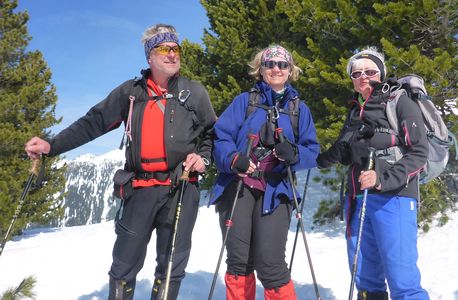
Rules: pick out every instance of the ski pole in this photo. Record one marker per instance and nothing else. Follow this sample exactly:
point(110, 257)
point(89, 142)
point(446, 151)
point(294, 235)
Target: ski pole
point(184, 181)
point(297, 228)
point(342, 197)
point(279, 132)
point(360, 231)
point(33, 173)
point(228, 223)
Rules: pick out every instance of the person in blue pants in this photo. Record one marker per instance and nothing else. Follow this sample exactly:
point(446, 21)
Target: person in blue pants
point(388, 255)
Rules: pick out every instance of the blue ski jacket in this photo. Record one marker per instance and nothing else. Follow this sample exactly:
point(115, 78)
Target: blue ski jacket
point(232, 130)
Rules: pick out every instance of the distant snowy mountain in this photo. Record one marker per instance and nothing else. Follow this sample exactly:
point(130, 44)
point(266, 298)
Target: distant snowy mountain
point(89, 188)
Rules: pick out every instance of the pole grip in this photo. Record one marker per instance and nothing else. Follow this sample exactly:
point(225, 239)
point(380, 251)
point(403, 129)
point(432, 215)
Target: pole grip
point(371, 162)
point(185, 176)
point(251, 139)
point(34, 167)
point(279, 133)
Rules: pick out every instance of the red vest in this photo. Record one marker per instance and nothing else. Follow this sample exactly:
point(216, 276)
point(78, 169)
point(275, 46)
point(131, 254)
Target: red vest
point(153, 154)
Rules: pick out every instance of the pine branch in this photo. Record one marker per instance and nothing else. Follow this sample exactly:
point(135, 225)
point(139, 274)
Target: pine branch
point(23, 290)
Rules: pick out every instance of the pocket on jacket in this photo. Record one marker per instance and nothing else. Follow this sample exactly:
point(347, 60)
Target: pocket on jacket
point(122, 184)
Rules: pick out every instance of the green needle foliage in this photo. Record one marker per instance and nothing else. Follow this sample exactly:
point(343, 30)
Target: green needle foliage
point(27, 104)
point(23, 291)
point(417, 36)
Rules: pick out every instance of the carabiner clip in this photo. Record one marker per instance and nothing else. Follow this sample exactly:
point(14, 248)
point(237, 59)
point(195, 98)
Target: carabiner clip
point(183, 95)
point(385, 88)
point(276, 113)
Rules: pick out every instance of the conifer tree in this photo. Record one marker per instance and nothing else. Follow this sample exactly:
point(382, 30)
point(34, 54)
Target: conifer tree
point(238, 29)
point(416, 36)
point(23, 291)
point(27, 104)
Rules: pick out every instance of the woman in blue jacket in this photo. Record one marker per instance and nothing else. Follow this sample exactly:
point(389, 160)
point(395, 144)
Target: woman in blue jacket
point(257, 239)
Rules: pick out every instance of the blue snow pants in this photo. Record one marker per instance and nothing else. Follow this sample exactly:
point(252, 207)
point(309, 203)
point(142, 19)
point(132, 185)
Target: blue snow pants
point(388, 247)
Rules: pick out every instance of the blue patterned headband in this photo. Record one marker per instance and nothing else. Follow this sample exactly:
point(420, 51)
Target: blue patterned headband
point(159, 39)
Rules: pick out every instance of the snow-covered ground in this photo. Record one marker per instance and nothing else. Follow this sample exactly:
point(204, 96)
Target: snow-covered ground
point(72, 262)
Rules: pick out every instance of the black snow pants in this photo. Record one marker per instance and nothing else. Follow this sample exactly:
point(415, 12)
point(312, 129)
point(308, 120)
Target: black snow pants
point(255, 241)
point(152, 208)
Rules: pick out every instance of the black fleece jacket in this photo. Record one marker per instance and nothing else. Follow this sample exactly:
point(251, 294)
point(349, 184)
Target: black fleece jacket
point(188, 126)
point(399, 178)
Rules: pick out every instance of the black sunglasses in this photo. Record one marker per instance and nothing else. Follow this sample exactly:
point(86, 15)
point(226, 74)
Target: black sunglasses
point(270, 64)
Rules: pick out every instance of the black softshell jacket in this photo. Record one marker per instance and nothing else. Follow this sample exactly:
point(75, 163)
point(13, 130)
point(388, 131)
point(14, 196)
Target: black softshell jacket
point(188, 126)
point(399, 178)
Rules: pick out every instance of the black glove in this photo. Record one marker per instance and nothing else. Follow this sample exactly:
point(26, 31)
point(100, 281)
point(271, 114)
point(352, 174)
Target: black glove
point(360, 151)
point(241, 163)
point(338, 153)
point(365, 131)
point(287, 152)
point(357, 129)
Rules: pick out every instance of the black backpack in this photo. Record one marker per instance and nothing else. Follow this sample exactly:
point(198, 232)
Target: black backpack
point(292, 111)
point(133, 159)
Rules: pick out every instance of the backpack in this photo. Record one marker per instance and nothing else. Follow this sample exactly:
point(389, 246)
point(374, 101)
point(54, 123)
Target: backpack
point(136, 107)
point(293, 109)
point(438, 136)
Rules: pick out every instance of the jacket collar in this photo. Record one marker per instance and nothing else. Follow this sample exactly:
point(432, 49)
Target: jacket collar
point(146, 73)
point(267, 91)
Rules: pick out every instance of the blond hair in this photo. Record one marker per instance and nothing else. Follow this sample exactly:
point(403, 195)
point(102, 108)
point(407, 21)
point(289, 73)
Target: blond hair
point(255, 66)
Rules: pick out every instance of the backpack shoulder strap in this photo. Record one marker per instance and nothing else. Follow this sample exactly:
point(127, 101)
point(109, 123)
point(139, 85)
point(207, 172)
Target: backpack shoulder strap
point(184, 91)
point(293, 108)
point(293, 113)
point(253, 100)
point(391, 109)
point(183, 83)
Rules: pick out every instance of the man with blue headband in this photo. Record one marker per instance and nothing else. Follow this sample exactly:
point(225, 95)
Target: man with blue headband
point(168, 130)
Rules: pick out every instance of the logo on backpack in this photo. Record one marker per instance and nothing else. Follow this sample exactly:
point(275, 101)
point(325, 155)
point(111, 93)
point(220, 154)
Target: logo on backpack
point(438, 136)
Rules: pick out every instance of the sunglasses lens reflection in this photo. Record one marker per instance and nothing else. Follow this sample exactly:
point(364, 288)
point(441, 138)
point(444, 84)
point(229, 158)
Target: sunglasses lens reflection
point(356, 75)
point(165, 50)
point(370, 73)
point(367, 73)
point(270, 64)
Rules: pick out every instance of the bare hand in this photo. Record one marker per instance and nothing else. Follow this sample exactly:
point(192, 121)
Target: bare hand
point(36, 146)
point(368, 179)
point(194, 162)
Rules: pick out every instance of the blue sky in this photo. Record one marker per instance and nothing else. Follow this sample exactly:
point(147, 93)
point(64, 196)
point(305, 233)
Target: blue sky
point(93, 46)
